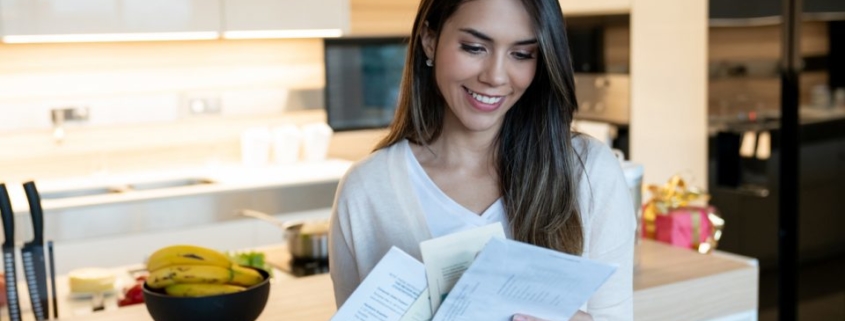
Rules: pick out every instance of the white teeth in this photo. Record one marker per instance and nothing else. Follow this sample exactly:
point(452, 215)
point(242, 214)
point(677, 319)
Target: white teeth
point(485, 99)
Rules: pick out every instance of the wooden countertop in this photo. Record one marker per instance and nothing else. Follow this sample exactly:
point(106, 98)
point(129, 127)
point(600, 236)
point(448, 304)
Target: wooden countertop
point(669, 284)
point(302, 299)
point(677, 284)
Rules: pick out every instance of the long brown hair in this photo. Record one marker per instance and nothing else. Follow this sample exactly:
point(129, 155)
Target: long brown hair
point(536, 163)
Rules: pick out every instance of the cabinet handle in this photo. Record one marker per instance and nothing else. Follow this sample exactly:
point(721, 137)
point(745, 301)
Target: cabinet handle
point(755, 191)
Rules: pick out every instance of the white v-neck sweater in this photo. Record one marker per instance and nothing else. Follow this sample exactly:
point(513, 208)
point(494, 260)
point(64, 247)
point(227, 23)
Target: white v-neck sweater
point(443, 215)
point(375, 208)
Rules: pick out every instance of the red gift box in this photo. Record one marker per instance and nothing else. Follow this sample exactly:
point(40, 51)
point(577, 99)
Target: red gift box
point(686, 227)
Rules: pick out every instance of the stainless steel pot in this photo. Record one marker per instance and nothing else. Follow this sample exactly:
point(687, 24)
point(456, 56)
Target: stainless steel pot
point(306, 240)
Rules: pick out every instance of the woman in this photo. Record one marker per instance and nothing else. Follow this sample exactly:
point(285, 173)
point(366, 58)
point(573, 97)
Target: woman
point(482, 135)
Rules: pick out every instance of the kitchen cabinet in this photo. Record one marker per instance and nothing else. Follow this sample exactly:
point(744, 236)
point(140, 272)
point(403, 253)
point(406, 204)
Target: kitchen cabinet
point(274, 15)
point(396, 17)
point(382, 17)
point(595, 7)
point(752, 215)
point(236, 18)
point(63, 17)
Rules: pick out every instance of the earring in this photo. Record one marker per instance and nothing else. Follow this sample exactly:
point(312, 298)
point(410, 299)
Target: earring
point(429, 62)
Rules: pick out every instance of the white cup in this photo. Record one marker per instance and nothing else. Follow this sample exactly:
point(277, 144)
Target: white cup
point(315, 141)
point(286, 144)
point(255, 146)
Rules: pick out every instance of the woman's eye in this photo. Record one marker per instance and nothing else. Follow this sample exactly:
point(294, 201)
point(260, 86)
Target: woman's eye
point(472, 49)
point(523, 55)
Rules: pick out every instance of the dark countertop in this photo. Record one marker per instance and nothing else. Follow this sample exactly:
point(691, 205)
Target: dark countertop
point(815, 125)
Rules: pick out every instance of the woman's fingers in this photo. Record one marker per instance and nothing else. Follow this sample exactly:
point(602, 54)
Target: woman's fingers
point(522, 317)
point(579, 316)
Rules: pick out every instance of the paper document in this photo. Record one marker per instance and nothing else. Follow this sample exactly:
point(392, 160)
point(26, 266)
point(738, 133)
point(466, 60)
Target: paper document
point(388, 292)
point(447, 257)
point(420, 310)
point(511, 277)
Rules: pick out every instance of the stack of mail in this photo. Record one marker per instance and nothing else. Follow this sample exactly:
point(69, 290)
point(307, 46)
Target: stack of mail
point(475, 275)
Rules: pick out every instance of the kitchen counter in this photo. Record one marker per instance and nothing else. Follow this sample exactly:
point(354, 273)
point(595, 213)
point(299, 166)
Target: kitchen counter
point(222, 178)
point(302, 299)
point(811, 120)
point(670, 284)
point(677, 284)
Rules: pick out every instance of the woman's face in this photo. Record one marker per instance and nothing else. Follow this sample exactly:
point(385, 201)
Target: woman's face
point(484, 60)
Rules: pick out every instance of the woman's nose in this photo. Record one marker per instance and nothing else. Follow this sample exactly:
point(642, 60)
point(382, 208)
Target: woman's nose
point(494, 73)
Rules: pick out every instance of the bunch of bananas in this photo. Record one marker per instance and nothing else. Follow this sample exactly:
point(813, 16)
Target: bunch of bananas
point(193, 271)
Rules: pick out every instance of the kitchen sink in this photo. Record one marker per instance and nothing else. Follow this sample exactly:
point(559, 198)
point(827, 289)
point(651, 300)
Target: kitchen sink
point(57, 194)
point(170, 183)
point(123, 188)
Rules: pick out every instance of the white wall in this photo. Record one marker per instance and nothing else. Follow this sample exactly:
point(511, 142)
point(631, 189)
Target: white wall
point(669, 88)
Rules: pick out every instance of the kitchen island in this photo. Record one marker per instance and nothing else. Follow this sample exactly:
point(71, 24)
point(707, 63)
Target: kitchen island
point(669, 284)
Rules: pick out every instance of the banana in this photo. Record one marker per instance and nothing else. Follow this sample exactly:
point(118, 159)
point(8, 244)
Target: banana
point(245, 276)
point(186, 255)
point(188, 274)
point(198, 290)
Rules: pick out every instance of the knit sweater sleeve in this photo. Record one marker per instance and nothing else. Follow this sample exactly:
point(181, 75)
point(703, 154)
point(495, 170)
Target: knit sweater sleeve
point(610, 224)
point(342, 265)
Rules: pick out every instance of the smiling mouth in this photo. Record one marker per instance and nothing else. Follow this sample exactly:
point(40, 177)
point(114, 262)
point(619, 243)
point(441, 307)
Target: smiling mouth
point(490, 100)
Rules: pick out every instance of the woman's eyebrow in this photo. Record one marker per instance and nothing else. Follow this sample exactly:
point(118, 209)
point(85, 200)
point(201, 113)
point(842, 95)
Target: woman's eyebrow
point(482, 36)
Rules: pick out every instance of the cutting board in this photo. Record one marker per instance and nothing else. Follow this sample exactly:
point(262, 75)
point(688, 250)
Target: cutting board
point(278, 257)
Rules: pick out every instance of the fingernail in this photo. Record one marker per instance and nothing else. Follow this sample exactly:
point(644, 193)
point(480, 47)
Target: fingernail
point(519, 317)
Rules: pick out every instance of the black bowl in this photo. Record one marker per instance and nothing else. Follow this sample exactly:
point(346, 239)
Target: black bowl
point(242, 306)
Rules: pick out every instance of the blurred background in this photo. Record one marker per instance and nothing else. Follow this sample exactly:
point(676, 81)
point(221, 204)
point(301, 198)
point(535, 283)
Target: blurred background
point(219, 105)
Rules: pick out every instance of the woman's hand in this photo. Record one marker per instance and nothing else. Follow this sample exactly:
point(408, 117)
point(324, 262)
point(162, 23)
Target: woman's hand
point(579, 316)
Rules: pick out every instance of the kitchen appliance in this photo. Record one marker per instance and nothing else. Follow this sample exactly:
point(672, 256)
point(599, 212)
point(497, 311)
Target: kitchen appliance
point(362, 81)
point(306, 240)
point(34, 265)
point(280, 258)
point(9, 255)
point(605, 99)
point(599, 50)
point(598, 42)
point(299, 268)
point(586, 47)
